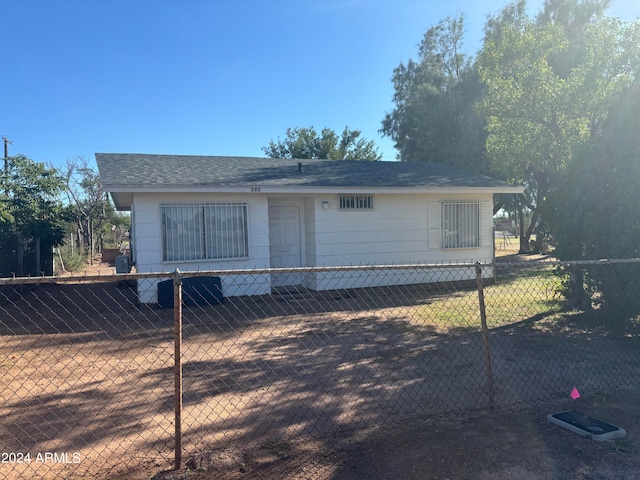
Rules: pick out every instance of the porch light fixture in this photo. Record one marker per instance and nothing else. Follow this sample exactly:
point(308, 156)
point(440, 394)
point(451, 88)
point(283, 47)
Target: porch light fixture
point(325, 205)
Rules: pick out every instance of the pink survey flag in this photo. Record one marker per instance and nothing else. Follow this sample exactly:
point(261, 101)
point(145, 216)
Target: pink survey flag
point(575, 393)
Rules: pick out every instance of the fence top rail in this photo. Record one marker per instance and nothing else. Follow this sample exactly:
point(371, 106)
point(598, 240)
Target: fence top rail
point(239, 271)
point(87, 278)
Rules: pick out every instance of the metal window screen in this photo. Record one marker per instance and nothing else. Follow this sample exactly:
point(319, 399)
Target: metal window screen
point(356, 202)
point(226, 230)
point(460, 224)
point(204, 231)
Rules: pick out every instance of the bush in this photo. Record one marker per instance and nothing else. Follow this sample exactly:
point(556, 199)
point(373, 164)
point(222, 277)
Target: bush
point(73, 261)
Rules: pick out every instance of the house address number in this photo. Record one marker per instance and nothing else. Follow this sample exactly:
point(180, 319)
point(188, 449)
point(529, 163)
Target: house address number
point(255, 189)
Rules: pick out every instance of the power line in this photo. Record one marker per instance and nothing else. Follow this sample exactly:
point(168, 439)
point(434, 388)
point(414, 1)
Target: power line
point(52, 143)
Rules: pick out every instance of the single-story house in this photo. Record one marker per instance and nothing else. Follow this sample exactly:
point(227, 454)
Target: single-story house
point(206, 212)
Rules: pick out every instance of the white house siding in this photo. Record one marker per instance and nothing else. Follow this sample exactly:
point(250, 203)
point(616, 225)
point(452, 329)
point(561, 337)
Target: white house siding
point(400, 229)
point(148, 243)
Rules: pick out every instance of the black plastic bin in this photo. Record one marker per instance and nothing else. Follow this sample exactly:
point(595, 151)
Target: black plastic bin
point(195, 291)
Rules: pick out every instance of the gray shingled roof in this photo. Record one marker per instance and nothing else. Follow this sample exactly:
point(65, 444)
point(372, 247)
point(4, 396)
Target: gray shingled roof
point(145, 171)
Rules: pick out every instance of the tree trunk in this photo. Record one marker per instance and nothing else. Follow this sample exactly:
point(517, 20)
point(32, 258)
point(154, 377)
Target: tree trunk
point(524, 246)
point(79, 237)
point(577, 297)
point(529, 232)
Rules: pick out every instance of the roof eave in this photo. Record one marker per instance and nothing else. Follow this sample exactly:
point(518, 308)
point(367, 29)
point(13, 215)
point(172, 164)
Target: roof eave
point(122, 200)
point(307, 189)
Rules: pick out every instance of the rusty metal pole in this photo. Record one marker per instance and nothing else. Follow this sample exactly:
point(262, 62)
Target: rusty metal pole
point(485, 336)
point(177, 334)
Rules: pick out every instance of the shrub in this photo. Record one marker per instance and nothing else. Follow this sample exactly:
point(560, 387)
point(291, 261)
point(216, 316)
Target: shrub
point(73, 261)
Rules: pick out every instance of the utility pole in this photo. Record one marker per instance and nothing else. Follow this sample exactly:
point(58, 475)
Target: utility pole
point(7, 142)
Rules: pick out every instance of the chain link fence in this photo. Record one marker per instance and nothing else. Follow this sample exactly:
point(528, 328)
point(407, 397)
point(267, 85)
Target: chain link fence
point(101, 376)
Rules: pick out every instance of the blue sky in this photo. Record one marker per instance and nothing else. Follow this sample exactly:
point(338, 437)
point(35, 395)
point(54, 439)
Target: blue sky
point(208, 77)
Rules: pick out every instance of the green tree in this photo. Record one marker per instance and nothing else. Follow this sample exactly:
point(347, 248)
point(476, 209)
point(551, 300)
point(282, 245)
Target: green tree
point(513, 14)
point(434, 118)
point(30, 213)
point(308, 143)
point(605, 223)
point(549, 84)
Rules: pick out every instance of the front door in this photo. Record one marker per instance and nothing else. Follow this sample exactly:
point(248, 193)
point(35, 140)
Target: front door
point(284, 243)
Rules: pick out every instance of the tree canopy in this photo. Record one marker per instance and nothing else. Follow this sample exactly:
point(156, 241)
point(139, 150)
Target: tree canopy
point(308, 143)
point(434, 119)
point(30, 209)
point(31, 205)
point(519, 110)
point(549, 83)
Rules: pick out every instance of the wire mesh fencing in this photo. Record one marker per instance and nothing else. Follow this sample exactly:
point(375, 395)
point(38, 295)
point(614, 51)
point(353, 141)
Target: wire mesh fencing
point(76, 394)
point(105, 375)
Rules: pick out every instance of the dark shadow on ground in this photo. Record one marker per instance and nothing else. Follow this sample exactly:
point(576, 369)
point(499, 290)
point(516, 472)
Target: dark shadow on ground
point(319, 376)
point(111, 308)
point(275, 369)
point(499, 445)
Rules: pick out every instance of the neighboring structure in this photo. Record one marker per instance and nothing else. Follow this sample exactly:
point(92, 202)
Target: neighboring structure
point(199, 212)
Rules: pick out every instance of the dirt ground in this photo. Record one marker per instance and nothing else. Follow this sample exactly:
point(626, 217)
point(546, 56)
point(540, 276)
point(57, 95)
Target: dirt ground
point(269, 381)
point(511, 444)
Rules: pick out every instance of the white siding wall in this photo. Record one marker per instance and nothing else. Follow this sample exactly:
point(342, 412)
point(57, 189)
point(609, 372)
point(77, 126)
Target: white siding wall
point(310, 229)
point(486, 227)
point(148, 242)
point(399, 229)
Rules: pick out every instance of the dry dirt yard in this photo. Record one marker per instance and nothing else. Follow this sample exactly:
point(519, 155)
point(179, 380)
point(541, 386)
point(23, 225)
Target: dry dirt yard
point(511, 444)
point(267, 383)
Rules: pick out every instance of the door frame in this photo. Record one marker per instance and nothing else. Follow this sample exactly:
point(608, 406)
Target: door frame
point(290, 202)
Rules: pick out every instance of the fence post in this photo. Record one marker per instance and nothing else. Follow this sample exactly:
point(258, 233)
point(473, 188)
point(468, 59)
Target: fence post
point(177, 334)
point(485, 335)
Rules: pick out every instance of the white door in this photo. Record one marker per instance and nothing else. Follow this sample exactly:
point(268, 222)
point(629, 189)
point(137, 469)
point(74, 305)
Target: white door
point(284, 243)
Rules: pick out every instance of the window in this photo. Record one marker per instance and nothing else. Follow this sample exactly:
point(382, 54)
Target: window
point(355, 202)
point(460, 224)
point(204, 231)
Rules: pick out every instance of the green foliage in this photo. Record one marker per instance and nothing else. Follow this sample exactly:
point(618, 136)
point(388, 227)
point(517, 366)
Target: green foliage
point(307, 143)
point(460, 311)
point(32, 207)
point(114, 227)
point(434, 119)
point(29, 210)
point(550, 82)
point(523, 100)
point(595, 214)
point(606, 222)
point(521, 109)
point(74, 260)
